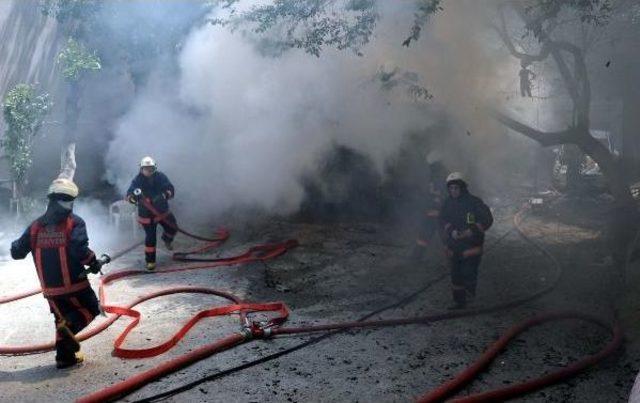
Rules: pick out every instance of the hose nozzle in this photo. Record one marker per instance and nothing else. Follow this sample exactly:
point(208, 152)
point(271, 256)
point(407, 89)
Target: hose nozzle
point(104, 259)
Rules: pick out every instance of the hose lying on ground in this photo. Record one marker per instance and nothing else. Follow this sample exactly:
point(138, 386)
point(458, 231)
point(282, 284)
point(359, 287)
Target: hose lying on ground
point(274, 327)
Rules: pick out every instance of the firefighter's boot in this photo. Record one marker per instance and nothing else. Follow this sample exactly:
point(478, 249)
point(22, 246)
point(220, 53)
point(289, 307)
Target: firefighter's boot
point(76, 359)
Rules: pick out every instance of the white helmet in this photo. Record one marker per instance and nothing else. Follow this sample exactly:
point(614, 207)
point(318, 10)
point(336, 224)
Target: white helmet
point(455, 176)
point(147, 162)
point(64, 187)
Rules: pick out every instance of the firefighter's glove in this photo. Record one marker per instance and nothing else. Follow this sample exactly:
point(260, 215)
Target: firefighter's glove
point(466, 234)
point(14, 251)
point(475, 230)
point(457, 235)
point(95, 267)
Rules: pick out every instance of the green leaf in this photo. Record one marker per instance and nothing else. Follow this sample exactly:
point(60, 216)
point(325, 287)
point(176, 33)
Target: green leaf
point(75, 60)
point(23, 112)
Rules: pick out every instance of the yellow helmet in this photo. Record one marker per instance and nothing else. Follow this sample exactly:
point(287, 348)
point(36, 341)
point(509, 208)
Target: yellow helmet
point(63, 186)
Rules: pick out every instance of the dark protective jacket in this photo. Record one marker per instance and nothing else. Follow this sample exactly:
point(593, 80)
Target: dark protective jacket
point(465, 212)
point(59, 245)
point(157, 189)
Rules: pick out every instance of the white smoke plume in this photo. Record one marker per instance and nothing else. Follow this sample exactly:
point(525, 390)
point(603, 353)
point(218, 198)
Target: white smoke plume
point(238, 128)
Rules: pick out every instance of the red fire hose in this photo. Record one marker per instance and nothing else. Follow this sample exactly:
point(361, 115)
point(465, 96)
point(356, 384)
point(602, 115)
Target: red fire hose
point(273, 328)
point(253, 254)
point(163, 217)
point(124, 388)
point(497, 395)
point(11, 298)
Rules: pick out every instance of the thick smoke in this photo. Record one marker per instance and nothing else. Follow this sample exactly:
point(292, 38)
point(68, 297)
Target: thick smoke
point(237, 128)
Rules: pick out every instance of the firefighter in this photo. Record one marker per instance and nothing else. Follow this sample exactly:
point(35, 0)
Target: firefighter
point(464, 218)
point(154, 188)
point(59, 245)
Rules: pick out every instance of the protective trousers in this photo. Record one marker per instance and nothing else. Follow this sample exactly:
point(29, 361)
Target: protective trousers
point(169, 225)
point(464, 277)
point(72, 313)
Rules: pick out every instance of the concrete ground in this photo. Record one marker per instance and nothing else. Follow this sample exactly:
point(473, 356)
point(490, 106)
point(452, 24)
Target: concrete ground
point(343, 272)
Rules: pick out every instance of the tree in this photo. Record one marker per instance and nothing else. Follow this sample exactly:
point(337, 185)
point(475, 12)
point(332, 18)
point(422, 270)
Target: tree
point(23, 112)
point(118, 33)
point(76, 17)
point(75, 61)
point(127, 32)
point(312, 25)
point(541, 19)
point(570, 61)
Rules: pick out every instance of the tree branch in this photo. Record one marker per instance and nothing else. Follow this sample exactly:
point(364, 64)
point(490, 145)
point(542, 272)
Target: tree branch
point(581, 79)
point(552, 48)
point(577, 84)
point(504, 35)
point(545, 139)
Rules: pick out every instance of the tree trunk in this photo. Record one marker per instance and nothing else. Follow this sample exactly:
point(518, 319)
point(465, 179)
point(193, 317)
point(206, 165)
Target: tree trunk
point(68, 162)
point(630, 135)
point(573, 157)
point(612, 168)
point(72, 113)
point(623, 218)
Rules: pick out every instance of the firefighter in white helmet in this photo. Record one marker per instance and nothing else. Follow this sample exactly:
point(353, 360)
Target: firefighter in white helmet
point(464, 218)
point(152, 188)
point(59, 245)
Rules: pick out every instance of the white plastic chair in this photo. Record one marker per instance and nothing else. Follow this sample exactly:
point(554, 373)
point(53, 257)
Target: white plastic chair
point(123, 213)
